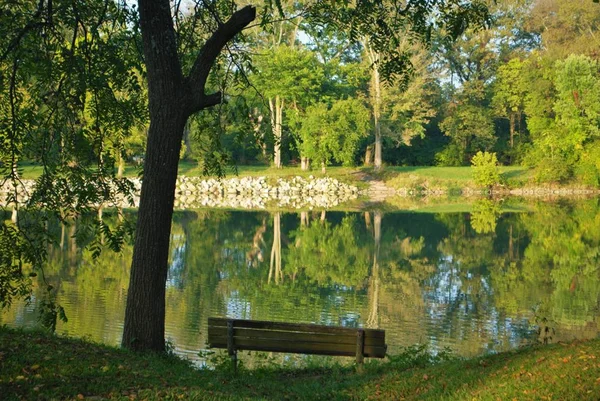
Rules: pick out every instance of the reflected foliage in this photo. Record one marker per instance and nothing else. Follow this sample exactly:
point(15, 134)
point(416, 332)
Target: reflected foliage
point(478, 282)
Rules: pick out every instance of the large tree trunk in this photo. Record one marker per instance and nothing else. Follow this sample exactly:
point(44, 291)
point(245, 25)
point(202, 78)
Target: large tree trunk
point(172, 99)
point(145, 312)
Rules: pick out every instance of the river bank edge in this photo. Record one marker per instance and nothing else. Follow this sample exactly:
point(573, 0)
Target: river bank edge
point(36, 365)
point(356, 188)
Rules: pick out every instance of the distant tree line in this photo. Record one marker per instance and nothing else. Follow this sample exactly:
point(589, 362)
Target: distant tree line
point(527, 88)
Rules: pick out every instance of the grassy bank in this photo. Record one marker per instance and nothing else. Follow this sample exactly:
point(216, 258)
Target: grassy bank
point(37, 366)
point(424, 177)
point(450, 178)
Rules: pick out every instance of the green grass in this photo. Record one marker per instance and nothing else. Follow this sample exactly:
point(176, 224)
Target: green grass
point(191, 169)
point(38, 366)
point(30, 171)
point(449, 177)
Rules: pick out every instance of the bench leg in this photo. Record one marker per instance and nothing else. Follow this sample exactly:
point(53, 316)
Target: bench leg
point(360, 346)
point(231, 345)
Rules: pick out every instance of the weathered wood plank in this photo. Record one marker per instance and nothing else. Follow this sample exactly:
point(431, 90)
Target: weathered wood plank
point(306, 328)
point(254, 344)
point(360, 346)
point(222, 332)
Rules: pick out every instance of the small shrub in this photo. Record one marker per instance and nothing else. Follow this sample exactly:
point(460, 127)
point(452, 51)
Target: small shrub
point(485, 169)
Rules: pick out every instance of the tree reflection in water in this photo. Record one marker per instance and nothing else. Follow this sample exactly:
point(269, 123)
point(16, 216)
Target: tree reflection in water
point(474, 282)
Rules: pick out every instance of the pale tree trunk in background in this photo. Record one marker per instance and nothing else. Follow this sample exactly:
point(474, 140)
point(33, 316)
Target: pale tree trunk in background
point(187, 140)
point(275, 263)
point(368, 220)
point(369, 156)
point(377, 162)
point(323, 215)
point(305, 163)
point(323, 168)
point(15, 207)
point(276, 107)
point(120, 166)
point(256, 120)
point(375, 95)
point(72, 243)
point(172, 98)
point(100, 215)
point(373, 291)
point(62, 236)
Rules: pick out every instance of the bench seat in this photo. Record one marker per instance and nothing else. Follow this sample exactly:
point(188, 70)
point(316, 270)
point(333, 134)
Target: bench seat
point(255, 335)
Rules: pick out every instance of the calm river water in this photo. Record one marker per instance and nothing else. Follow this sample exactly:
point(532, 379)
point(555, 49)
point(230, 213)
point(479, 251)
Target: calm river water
point(475, 282)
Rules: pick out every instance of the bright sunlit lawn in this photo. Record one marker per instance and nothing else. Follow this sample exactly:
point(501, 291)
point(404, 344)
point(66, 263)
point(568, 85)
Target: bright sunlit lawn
point(458, 176)
point(38, 366)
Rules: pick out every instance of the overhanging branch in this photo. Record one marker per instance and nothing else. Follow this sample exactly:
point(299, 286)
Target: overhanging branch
point(209, 53)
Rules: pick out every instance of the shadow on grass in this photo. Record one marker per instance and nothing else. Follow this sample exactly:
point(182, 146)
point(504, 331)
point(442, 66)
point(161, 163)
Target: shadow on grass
point(516, 174)
point(37, 366)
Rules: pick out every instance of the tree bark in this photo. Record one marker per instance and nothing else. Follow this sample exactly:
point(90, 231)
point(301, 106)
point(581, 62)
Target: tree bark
point(305, 163)
point(375, 92)
point(377, 117)
point(368, 155)
point(512, 130)
point(121, 166)
point(172, 99)
point(276, 107)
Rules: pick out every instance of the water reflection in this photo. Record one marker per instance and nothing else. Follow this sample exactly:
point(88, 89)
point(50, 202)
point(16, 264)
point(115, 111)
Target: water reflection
point(474, 282)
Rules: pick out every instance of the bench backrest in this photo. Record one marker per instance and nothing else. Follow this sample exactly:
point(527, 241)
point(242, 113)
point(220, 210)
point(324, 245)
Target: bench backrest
point(257, 335)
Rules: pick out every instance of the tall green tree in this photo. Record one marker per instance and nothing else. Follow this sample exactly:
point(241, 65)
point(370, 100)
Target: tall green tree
point(287, 77)
point(510, 90)
point(563, 116)
point(334, 133)
point(468, 124)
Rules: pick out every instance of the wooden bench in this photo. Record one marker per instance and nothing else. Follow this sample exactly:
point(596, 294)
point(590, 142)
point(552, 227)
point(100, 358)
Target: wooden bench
point(254, 335)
